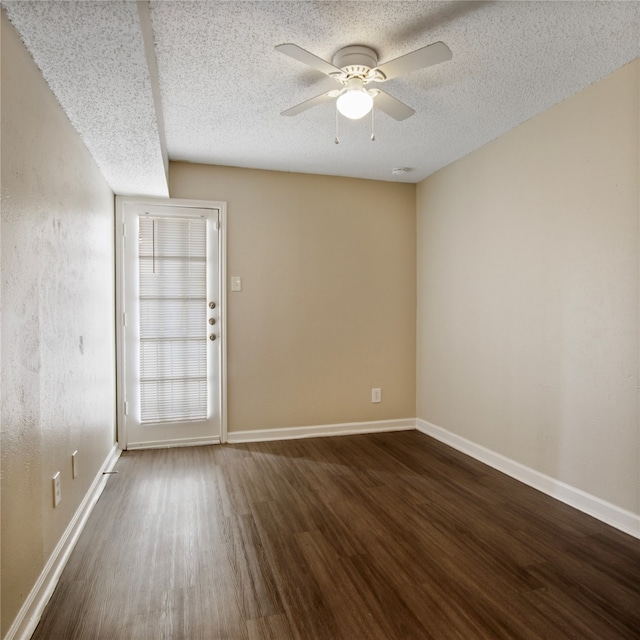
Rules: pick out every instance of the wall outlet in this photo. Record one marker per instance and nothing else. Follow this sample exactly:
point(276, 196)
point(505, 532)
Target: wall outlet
point(376, 395)
point(74, 464)
point(57, 492)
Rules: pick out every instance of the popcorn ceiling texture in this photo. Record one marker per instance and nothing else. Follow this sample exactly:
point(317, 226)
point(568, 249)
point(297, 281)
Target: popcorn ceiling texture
point(92, 56)
point(223, 85)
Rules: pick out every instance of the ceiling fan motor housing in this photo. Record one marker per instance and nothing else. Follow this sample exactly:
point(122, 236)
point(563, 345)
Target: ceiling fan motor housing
point(356, 60)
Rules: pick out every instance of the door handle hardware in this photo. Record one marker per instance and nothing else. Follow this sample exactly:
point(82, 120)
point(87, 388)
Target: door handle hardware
point(212, 305)
point(212, 336)
point(212, 320)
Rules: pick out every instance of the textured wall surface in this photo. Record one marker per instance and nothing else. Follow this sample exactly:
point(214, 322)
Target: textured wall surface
point(58, 391)
point(528, 293)
point(327, 307)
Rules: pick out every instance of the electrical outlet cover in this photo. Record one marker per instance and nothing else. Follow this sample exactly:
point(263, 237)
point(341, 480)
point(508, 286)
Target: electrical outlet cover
point(57, 491)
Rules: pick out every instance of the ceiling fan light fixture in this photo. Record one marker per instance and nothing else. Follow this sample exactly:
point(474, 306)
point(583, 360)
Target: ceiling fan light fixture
point(356, 101)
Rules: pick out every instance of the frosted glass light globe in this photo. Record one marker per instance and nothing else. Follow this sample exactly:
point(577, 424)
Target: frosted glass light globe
point(355, 102)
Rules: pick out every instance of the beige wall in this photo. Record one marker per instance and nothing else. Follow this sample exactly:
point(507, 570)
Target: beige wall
point(528, 293)
point(57, 321)
point(327, 310)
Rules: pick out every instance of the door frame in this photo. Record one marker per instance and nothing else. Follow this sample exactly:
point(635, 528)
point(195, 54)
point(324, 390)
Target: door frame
point(120, 202)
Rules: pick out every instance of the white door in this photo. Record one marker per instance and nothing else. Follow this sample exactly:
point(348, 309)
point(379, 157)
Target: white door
point(170, 344)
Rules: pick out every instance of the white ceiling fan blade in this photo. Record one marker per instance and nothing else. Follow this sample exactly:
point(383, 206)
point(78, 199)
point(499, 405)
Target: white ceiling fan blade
point(312, 102)
point(419, 59)
point(304, 56)
point(392, 106)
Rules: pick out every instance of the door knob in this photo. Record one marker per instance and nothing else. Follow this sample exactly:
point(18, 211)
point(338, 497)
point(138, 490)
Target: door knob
point(212, 336)
point(212, 305)
point(212, 320)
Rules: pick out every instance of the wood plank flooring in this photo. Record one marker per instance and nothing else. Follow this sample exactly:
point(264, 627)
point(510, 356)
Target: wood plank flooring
point(382, 537)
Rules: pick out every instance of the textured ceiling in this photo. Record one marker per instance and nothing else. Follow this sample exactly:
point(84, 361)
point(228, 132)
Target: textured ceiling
point(93, 57)
point(222, 85)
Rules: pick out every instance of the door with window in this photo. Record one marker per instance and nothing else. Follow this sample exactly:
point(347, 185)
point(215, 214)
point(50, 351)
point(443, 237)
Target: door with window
point(170, 346)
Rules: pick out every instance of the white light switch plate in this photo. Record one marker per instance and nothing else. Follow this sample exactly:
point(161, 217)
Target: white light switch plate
point(236, 283)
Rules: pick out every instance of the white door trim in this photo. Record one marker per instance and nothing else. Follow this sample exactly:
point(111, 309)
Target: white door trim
point(120, 304)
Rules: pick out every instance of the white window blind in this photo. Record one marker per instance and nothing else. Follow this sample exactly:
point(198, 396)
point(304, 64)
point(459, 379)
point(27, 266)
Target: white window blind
point(173, 316)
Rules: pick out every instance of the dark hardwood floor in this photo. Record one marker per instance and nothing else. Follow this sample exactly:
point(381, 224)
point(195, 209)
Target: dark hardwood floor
point(381, 537)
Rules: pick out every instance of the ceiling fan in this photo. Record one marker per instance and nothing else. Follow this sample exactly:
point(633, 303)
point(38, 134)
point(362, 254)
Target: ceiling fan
point(356, 66)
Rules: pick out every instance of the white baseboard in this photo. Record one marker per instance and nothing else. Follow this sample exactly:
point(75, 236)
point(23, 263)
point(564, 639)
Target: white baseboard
point(322, 430)
point(601, 509)
point(166, 444)
point(29, 615)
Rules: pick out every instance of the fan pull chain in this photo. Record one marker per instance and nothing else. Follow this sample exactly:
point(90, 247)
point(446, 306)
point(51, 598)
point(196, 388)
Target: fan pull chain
point(373, 126)
point(337, 140)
